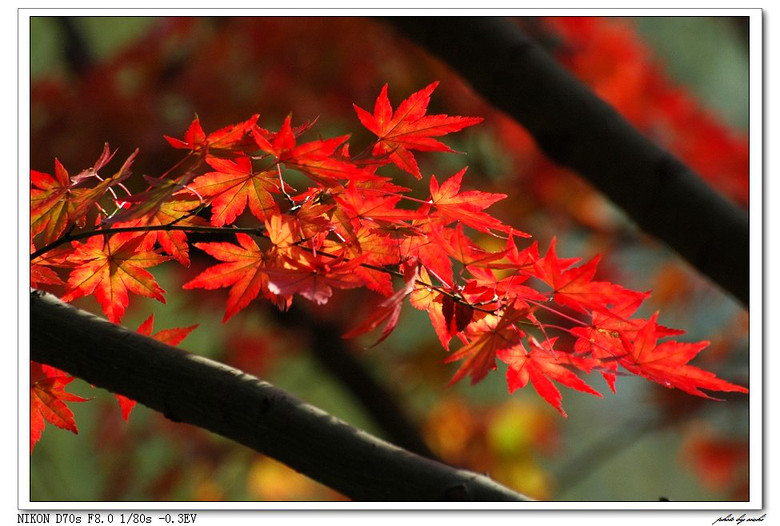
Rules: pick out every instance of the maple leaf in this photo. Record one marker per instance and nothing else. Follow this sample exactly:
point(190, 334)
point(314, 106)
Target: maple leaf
point(423, 245)
point(378, 250)
point(462, 249)
point(389, 310)
point(521, 261)
point(232, 185)
point(312, 276)
point(110, 269)
point(315, 159)
point(170, 336)
point(376, 206)
point(540, 365)
point(456, 314)
point(58, 202)
point(176, 210)
point(173, 209)
point(409, 128)
point(47, 401)
point(466, 207)
point(575, 288)
point(487, 337)
point(50, 208)
point(41, 272)
point(225, 140)
point(667, 363)
point(147, 204)
point(603, 339)
point(426, 298)
point(242, 271)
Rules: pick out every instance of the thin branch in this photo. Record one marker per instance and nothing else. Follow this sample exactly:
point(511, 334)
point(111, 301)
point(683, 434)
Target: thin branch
point(258, 231)
point(192, 389)
point(229, 230)
point(580, 131)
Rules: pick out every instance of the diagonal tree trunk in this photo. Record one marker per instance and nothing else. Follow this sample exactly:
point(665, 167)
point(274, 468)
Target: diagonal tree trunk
point(192, 389)
point(580, 131)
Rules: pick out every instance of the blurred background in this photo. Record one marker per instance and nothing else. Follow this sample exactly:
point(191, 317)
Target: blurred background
point(683, 81)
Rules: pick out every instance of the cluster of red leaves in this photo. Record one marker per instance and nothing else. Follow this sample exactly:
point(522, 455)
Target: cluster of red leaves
point(346, 226)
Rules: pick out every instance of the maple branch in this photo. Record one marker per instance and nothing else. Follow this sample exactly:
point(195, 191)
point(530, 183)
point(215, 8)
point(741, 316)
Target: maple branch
point(258, 231)
point(193, 389)
point(578, 130)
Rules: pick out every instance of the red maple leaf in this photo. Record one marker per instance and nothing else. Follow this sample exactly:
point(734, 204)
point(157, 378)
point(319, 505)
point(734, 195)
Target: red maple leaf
point(58, 202)
point(456, 314)
point(374, 205)
point(487, 337)
point(47, 401)
point(466, 207)
point(40, 269)
point(667, 363)
point(177, 210)
point(312, 276)
point(110, 269)
point(232, 185)
point(575, 288)
point(225, 140)
point(317, 159)
point(389, 310)
point(462, 249)
point(603, 339)
point(422, 245)
point(242, 271)
point(409, 128)
point(540, 365)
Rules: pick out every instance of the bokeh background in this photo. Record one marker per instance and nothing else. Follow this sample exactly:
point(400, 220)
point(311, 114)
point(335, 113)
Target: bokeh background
point(683, 81)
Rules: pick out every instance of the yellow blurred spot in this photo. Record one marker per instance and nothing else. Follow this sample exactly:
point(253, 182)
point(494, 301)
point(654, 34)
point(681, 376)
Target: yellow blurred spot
point(208, 490)
point(273, 481)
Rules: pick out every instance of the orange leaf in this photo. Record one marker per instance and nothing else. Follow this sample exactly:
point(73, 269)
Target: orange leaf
point(110, 269)
point(242, 271)
point(233, 185)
